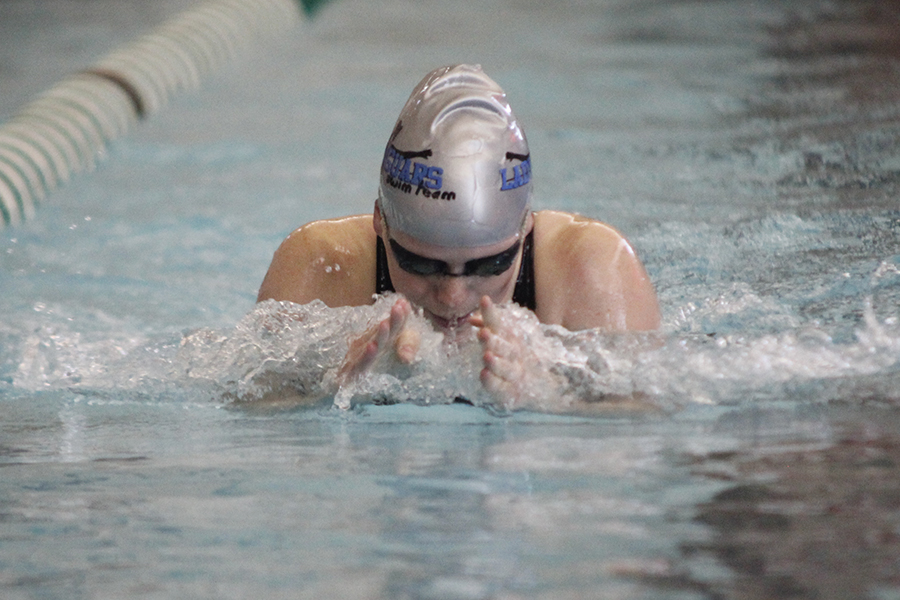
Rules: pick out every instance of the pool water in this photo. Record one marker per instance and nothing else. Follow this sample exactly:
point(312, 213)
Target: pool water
point(748, 150)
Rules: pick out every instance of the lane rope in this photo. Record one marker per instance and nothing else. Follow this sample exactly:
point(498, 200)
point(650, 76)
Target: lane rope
point(66, 129)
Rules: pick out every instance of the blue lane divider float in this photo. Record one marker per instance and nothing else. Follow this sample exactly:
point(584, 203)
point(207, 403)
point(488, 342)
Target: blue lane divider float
point(65, 130)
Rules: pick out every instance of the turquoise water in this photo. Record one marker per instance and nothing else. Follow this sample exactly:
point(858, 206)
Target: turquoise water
point(748, 151)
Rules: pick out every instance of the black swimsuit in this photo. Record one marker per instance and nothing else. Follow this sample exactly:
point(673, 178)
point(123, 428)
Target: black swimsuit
point(523, 294)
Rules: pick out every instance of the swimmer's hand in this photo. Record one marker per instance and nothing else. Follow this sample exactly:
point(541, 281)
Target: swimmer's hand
point(513, 373)
point(390, 340)
point(517, 377)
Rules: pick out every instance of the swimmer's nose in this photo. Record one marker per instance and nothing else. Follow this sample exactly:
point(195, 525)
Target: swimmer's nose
point(452, 292)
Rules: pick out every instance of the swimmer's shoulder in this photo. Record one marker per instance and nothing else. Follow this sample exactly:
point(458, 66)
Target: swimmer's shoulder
point(332, 260)
point(604, 281)
point(563, 233)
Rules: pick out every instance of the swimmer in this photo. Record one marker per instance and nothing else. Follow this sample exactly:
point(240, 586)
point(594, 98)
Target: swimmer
point(453, 233)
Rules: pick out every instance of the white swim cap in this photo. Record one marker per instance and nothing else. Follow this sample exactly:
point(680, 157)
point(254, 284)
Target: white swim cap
point(456, 169)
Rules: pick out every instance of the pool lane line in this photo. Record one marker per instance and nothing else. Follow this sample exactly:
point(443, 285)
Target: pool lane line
point(65, 130)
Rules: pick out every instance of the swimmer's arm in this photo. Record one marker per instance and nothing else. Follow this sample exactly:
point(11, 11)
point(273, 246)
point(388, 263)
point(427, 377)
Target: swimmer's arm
point(331, 260)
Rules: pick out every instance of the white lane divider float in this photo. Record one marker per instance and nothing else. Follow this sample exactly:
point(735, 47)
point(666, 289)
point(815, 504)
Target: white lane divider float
point(64, 130)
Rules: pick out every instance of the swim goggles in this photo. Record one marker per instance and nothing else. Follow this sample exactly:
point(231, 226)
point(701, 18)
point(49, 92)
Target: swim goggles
point(487, 266)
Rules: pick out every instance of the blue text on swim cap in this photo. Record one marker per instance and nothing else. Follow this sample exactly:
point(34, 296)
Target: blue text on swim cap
point(400, 167)
point(521, 174)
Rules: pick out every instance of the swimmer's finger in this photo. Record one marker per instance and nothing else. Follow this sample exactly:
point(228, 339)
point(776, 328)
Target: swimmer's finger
point(406, 346)
point(498, 387)
point(399, 314)
point(405, 340)
point(489, 315)
point(365, 351)
point(360, 357)
point(498, 345)
point(491, 382)
point(383, 333)
point(503, 368)
point(368, 357)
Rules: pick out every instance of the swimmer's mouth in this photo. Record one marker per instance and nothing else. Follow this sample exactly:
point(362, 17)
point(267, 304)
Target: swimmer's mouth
point(449, 324)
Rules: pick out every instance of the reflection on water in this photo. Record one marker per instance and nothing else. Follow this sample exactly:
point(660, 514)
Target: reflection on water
point(808, 522)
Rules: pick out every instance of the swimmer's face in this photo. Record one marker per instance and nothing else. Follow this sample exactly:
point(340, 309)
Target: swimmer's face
point(448, 283)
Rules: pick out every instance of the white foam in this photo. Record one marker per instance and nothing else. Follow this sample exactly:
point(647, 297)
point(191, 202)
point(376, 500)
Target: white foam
point(286, 353)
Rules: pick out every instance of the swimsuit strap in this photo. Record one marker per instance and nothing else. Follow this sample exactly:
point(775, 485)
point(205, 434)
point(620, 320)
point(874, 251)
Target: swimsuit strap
point(383, 281)
point(523, 294)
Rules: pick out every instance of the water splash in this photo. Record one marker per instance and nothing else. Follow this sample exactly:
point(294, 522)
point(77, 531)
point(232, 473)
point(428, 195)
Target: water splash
point(283, 354)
